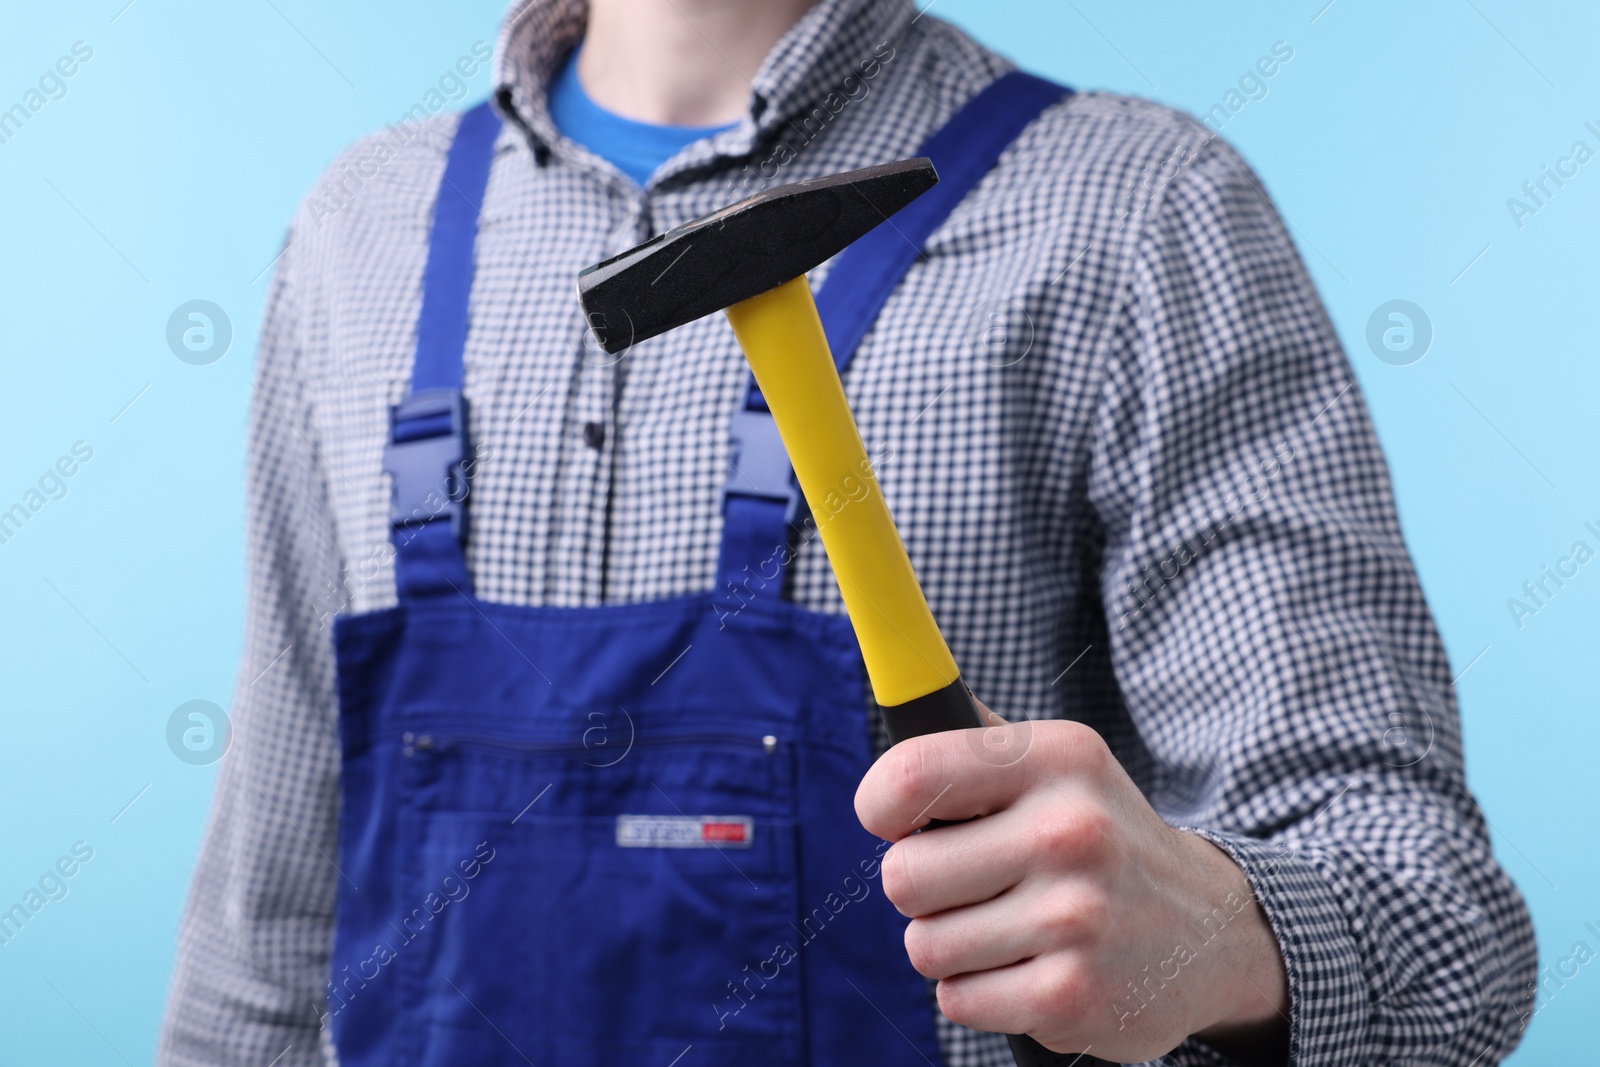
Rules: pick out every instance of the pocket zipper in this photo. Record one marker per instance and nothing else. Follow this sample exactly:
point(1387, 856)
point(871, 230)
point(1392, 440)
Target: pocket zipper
point(411, 741)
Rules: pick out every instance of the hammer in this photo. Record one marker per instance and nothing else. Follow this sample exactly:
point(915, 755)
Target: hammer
point(749, 260)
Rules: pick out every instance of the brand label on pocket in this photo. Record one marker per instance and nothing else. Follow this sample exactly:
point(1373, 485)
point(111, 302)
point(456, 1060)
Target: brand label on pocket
point(684, 831)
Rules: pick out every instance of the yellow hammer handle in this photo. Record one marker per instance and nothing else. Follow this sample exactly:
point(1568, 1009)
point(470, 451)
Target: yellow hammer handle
point(782, 338)
point(906, 656)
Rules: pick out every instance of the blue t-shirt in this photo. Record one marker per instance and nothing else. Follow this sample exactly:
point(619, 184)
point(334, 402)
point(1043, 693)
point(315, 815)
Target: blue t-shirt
point(635, 148)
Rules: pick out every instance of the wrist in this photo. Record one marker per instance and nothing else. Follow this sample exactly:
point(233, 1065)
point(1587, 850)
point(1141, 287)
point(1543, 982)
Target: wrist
point(1245, 1013)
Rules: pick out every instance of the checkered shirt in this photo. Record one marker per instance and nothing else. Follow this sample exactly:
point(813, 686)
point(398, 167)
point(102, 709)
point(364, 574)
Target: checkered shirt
point(1125, 450)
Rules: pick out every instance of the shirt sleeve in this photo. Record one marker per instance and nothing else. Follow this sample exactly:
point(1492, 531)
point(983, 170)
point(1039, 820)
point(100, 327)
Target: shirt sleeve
point(255, 938)
point(1273, 648)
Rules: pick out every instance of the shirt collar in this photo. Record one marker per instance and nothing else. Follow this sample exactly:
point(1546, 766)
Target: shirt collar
point(811, 60)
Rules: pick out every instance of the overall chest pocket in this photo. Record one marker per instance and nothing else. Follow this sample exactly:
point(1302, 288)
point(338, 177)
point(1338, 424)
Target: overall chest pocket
point(628, 904)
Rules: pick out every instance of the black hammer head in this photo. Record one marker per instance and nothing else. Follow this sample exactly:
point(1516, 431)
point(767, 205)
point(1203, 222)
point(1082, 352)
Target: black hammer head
point(742, 250)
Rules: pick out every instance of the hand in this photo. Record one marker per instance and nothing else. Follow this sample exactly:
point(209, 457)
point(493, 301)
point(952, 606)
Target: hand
point(1067, 909)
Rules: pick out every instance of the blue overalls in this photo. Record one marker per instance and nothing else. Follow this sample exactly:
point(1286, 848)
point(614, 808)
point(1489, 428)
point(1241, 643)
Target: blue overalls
point(618, 835)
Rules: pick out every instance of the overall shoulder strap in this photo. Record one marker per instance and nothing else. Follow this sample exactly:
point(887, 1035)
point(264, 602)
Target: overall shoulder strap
point(756, 525)
point(963, 150)
point(427, 453)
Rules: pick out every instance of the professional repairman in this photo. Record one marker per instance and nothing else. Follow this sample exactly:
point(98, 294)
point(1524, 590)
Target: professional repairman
point(558, 787)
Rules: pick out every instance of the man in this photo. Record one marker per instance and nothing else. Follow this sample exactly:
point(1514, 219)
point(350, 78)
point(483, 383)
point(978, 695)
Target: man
point(1142, 495)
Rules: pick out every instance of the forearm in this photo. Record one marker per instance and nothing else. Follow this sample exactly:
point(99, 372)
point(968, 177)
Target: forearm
point(1251, 982)
point(255, 937)
point(1427, 957)
point(247, 984)
point(1274, 651)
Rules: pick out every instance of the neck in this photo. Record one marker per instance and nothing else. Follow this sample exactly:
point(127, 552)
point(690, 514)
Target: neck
point(680, 62)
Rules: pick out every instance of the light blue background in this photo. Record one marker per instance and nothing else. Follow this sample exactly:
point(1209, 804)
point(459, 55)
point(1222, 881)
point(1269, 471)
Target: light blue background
point(1390, 142)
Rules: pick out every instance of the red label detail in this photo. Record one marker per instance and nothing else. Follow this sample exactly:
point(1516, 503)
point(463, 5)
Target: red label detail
point(722, 831)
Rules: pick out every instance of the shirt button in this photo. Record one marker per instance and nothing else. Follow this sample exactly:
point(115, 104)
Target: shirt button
point(594, 434)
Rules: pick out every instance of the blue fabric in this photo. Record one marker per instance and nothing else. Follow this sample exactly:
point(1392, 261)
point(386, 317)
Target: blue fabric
point(754, 556)
point(447, 278)
point(962, 151)
point(590, 836)
point(426, 455)
point(633, 147)
point(491, 755)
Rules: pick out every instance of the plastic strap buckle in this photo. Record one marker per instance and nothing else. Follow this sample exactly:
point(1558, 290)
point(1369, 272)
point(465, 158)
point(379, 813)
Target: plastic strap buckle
point(759, 464)
point(426, 460)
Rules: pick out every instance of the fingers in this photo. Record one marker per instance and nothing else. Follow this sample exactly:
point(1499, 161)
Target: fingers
point(1051, 994)
point(952, 866)
point(1033, 919)
point(1054, 888)
point(969, 863)
point(952, 776)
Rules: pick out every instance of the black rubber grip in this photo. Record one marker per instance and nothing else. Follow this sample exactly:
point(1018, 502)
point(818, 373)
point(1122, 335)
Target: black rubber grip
point(950, 708)
point(955, 708)
point(1029, 1053)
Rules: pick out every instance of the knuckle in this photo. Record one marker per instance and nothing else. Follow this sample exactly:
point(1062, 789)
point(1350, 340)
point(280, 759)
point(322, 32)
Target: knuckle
point(956, 1003)
point(1077, 836)
point(870, 806)
point(1077, 918)
point(887, 798)
point(908, 776)
point(900, 879)
point(1082, 748)
point(1065, 991)
point(922, 947)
